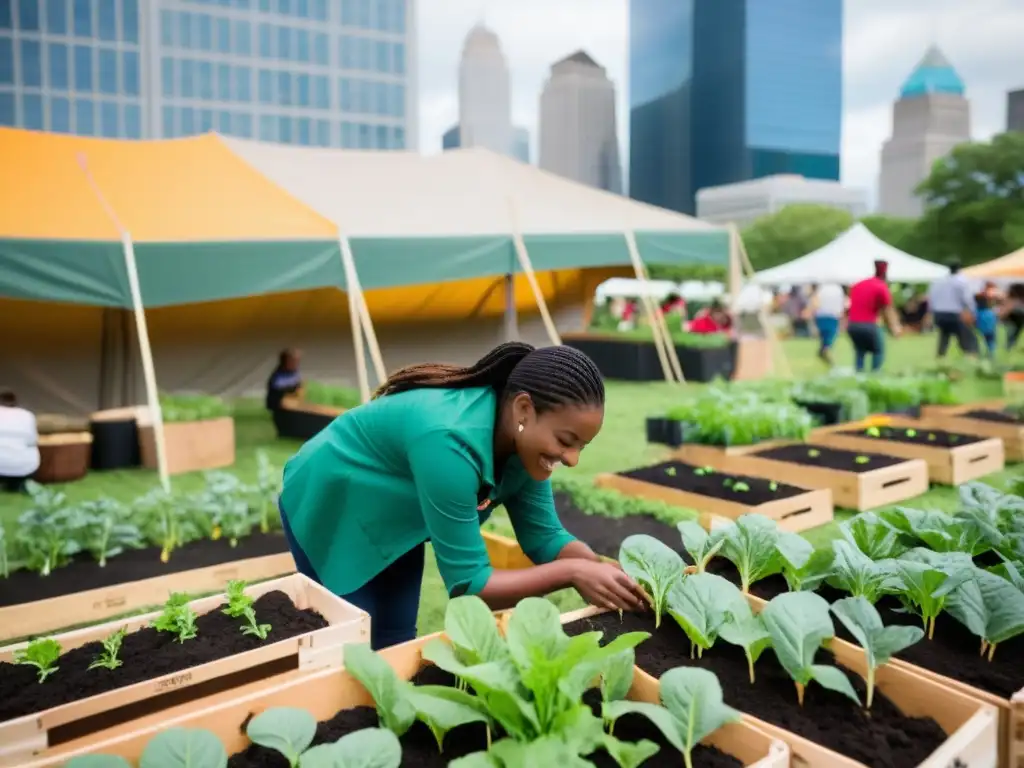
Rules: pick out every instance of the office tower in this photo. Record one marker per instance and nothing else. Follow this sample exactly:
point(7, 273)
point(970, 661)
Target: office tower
point(931, 116)
point(521, 144)
point(451, 139)
point(578, 136)
point(1015, 110)
point(485, 98)
point(731, 90)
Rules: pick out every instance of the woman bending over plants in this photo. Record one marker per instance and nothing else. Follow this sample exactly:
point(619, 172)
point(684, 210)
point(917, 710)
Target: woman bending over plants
point(428, 458)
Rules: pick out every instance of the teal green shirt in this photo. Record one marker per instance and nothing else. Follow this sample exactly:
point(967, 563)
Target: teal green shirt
point(386, 476)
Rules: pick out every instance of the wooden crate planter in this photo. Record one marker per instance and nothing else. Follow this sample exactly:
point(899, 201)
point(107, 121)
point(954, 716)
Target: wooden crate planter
point(321, 649)
point(326, 693)
point(971, 724)
point(955, 419)
point(191, 445)
point(505, 553)
point(46, 616)
point(850, 490)
point(300, 420)
point(795, 513)
point(63, 457)
point(949, 466)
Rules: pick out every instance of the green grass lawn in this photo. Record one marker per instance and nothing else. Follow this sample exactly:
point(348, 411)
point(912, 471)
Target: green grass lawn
point(620, 446)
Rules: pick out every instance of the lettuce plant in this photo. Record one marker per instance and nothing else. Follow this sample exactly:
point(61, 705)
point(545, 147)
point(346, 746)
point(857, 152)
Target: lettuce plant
point(177, 618)
point(654, 566)
point(872, 536)
point(700, 544)
point(108, 529)
point(238, 600)
point(107, 659)
point(798, 623)
point(164, 523)
point(880, 643)
point(990, 607)
point(941, 532)
point(803, 566)
point(49, 531)
point(858, 574)
point(290, 732)
point(744, 628)
point(43, 654)
point(225, 501)
point(701, 604)
point(750, 544)
point(926, 578)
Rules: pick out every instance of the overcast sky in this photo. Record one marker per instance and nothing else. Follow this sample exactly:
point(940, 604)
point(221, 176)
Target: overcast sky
point(884, 39)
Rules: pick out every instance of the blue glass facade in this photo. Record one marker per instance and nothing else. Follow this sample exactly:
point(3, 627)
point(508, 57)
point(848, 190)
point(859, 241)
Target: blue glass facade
point(314, 72)
point(732, 90)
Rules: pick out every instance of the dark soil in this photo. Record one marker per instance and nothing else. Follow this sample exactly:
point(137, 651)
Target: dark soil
point(883, 738)
point(1000, 417)
point(935, 438)
point(146, 654)
point(718, 485)
point(828, 458)
point(604, 535)
point(419, 749)
point(82, 573)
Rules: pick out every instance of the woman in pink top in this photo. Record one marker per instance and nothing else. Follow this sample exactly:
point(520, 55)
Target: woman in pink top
point(867, 299)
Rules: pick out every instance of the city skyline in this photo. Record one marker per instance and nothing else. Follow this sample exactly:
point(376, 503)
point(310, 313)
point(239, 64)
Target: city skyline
point(884, 40)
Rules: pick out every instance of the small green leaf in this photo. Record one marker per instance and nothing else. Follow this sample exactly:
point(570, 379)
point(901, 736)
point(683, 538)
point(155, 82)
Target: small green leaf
point(184, 748)
point(288, 730)
point(862, 459)
point(383, 684)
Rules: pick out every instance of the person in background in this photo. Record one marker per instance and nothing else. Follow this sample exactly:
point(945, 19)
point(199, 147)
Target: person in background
point(795, 306)
point(1012, 313)
point(868, 298)
point(627, 322)
point(828, 305)
point(674, 309)
point(986, 319)
point(285, 379)
point(712, 319)
point(19, 443)
point(953, 309)
point(428, 458)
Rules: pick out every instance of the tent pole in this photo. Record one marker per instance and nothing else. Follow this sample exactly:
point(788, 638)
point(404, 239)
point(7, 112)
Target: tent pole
point(659, 327)
point(511, 320)
point(352, 292)
point(141, 329)
point(524, 263)
point(762, 314)
point(352, 279)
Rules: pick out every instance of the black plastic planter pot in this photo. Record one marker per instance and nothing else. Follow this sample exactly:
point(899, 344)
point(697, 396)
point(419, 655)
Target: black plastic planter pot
point(630, 360)
point(826, 414)
point(664, 431)
point(702, 364)
point(115, 444)
point(298, 424)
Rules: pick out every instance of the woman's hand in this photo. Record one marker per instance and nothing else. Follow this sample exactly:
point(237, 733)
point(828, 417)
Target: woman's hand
point(607, 586)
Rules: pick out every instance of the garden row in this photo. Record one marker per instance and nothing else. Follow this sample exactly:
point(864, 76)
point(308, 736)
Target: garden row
point(759, 647)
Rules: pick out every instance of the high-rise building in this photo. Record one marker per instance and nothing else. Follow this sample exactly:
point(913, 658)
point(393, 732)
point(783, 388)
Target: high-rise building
point(521, 144)
point(931, 116)
point(746, 201)
point(731, 90)
point(320, 72)
point(485, 93)
point(1015, 110)
point(578, 136)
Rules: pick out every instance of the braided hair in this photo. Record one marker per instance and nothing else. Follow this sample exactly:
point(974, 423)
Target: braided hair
point(551, 376)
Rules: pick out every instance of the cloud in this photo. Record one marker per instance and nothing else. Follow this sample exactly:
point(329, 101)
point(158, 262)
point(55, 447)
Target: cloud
point(884, 40)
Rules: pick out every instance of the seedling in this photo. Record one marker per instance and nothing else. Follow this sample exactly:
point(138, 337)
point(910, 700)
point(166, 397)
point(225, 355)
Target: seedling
point(740, 487)
point(252, 628)
point(814, 453)
point(41, 654)
point(111, 647)
point(926, 578)
point(238, 601)
point(177, 618)
point(873, 432)
point(862, 459)
point(701, 604)
point(750, 545)
point(911, 433)
point(727, 482)
point(931, 437)
point(773, 486)
point(670, 471)
point(654, 566)
point(701, 545)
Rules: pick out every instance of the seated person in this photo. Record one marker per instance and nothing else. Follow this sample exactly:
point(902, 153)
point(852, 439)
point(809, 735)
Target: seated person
point(285, 379)
point(711, 319)
point(19, 443)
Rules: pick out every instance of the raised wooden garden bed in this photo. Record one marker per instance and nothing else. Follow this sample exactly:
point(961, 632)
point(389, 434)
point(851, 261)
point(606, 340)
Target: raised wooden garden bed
point(963, 731)
point(341, 704)
point(308, 627)
point(191, 445)
point(986, 418)
point(855, 484)
point(691, 486)
point(953, 458)
point(300, 420)
point(63, 457)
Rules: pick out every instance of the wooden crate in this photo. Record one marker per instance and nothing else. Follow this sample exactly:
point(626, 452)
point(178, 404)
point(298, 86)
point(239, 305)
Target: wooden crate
point(191, 445)
point(325, 693)
point(970, 724)
point(36, 733)
point(954, 419)
point(95, 605)
point(949, 466)
point(505, 553)
point(850, 490)
point(797, 513)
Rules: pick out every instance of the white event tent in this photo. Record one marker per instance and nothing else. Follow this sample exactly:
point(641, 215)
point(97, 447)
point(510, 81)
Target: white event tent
point(850, 258)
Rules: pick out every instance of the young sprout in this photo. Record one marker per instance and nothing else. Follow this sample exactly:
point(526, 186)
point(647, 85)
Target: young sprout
point(41, 654)
point(238, 601)
point(773, 486)
point(862, 459)
point(814, 453)
point(873, 432)
point(178, 618)
point(911, 433)
point(670, 471)
point(252, 628)
point(740, 487)
point(727, 482)
point(931, 437)
point(111, 647)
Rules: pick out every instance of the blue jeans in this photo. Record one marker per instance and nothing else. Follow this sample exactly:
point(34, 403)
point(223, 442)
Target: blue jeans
point(828, 327)
point(392, 597)
point(867, 340)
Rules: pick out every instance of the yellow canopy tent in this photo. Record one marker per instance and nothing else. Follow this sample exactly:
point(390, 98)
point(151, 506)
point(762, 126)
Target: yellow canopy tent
point(1009, 266)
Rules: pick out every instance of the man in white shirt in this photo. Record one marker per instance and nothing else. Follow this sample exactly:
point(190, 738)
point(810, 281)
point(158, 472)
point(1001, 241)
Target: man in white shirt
point(829, 306)
point(19, 438)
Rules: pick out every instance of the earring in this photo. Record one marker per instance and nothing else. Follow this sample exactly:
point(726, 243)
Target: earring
point(520, 427)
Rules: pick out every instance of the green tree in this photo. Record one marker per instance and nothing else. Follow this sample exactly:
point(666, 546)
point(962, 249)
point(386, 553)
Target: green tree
point(974, 200)
point(793, 232)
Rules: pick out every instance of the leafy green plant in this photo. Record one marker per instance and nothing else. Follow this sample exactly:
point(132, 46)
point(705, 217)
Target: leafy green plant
point(177, 618)
point(225, 502)
point(290, 732)
point(699, 544)
point(185, 408)
point(164, 523)
point(862, 459)
point(107, 659)
point(853, 403)
point(319, 393)
point(735, 417)
point(798, 623)
point(880, 643)
point(745, 629)
point(749, 543)
point(701, 604)
point(252, 628)
point(941, 532)
point(692, 708)
point(926, 578)
point(654, 566)
point(990, 607)
point(872, 536)
point(42, 653)
point(803, 566)
point(173, 748)
point(108, 529)
point(268, 486)
point(238, 600)
point(49, 530)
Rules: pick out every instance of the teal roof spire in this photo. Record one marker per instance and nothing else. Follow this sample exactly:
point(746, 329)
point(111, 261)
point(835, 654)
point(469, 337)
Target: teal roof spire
point(934, 74)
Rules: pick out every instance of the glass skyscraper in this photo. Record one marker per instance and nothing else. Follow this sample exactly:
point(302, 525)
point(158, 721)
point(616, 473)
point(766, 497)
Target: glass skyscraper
point(729, 90)
point(314, 72)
